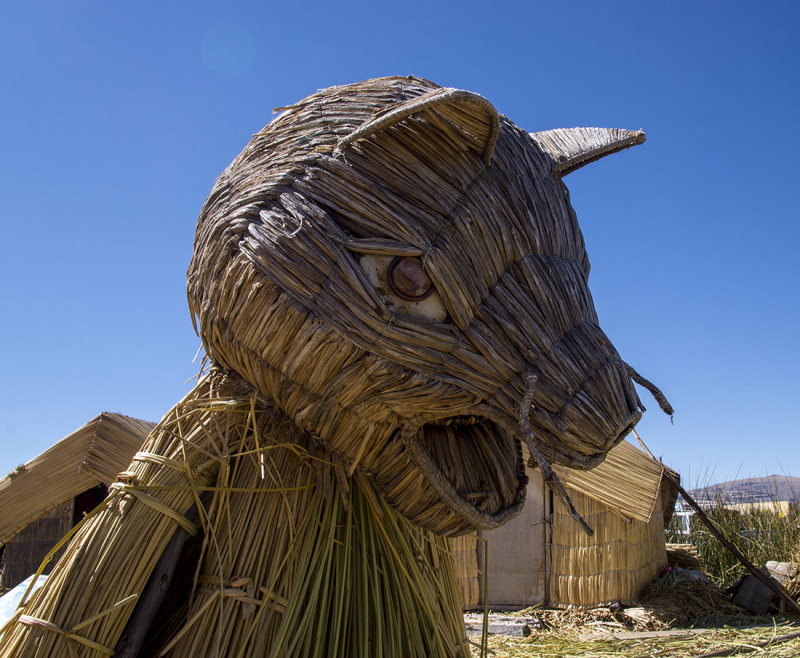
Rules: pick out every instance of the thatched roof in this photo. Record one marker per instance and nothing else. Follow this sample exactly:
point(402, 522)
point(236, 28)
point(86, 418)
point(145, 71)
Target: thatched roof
point(92, 454)
point(627, 482)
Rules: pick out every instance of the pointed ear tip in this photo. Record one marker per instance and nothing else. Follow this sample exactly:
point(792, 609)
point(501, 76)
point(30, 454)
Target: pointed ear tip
point(572, 148)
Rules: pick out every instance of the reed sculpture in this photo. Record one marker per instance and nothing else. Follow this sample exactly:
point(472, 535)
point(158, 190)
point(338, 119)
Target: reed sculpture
point(391, 289)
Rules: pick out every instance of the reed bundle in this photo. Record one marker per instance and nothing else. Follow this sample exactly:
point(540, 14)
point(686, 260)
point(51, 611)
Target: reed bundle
point(351, 579)
point(685, 556)
point(298, 558)
point(92, 590)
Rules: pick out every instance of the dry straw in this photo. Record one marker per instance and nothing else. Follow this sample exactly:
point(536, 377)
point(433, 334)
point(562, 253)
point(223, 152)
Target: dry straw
point(297, 558)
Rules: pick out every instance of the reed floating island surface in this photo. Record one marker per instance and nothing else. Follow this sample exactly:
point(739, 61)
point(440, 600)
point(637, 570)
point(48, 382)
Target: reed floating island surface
point(392, 289)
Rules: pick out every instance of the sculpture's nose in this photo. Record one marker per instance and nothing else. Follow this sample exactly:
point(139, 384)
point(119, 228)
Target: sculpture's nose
point(584, 400)
point(605, 408)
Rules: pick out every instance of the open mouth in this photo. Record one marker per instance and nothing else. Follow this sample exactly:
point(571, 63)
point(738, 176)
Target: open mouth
point(474, 465)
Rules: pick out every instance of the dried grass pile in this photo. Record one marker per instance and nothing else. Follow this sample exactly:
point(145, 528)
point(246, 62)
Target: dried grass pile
point(683, 556)
point(688, 598)
point(777, 641)
point(679, 614)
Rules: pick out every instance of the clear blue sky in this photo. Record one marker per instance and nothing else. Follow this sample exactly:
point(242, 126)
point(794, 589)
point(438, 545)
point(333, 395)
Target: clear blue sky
point(115, 119)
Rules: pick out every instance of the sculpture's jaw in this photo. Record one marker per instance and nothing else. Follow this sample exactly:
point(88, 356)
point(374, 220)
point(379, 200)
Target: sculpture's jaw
point(474, 465)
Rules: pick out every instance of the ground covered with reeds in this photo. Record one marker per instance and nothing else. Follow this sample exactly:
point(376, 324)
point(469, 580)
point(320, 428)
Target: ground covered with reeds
point(688, 611)
point(705, 626)
point(782, 640)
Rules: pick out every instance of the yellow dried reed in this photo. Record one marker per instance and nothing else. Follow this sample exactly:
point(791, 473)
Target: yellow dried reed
point(612, 566)
point(298, 557)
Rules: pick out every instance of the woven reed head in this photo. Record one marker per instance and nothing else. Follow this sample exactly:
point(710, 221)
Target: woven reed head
point(389, 261)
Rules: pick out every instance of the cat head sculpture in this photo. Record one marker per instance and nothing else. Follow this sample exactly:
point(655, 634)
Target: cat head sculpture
point(400, 269)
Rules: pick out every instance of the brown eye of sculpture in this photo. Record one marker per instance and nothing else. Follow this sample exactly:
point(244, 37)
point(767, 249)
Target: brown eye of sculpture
point(409, 279)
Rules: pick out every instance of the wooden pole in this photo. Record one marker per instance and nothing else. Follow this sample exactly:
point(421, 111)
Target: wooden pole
point(138, 627)
point(773, 584)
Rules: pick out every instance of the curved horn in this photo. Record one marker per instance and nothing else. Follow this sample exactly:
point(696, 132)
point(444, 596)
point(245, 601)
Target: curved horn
point(571, 148)
point(457, 105)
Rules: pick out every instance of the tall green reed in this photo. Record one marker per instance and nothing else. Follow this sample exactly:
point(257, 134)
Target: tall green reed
point(761, 534)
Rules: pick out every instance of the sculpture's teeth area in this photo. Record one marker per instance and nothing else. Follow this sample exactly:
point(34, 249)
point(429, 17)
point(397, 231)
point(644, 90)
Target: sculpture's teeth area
point(481, 462)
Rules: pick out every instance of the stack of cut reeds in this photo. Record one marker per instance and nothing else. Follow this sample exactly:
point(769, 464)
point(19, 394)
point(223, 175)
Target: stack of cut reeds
point(297, 557)
point(685, 556)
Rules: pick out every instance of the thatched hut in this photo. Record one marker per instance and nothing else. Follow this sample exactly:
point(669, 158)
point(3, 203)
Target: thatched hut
point(545, 557)
point(41, 500)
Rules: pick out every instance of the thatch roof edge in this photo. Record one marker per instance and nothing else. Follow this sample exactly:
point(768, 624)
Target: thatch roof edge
point(115, 440)
point(627, 482)
point(92, 454)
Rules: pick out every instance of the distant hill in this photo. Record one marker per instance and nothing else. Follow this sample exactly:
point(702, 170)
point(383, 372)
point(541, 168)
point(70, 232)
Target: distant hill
point(776, 487)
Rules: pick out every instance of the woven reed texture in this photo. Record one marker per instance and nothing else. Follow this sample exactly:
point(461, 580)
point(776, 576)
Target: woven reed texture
point(392, 288)
point(354, 177)
point(298, 558)
point(466, 556)
point(573, 148)
point(613, 565)
point(93, 453)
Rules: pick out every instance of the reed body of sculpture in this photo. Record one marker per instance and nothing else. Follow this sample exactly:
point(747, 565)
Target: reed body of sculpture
point(391, 287)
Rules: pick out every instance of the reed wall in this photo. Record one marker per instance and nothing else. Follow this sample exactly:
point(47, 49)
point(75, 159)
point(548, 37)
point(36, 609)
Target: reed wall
point(613, 565)
point(25, 551)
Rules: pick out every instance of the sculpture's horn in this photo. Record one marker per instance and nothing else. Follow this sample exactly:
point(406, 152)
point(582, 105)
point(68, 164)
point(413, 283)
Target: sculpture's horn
point(571, 148)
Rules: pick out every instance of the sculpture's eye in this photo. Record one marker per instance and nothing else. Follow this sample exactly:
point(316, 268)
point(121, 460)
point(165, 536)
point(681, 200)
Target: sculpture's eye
point(408, 279)
point(404, 286)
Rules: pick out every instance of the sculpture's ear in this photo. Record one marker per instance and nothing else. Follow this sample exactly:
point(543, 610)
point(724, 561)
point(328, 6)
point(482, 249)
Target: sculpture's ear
point(571, 148)
point(471, 116)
